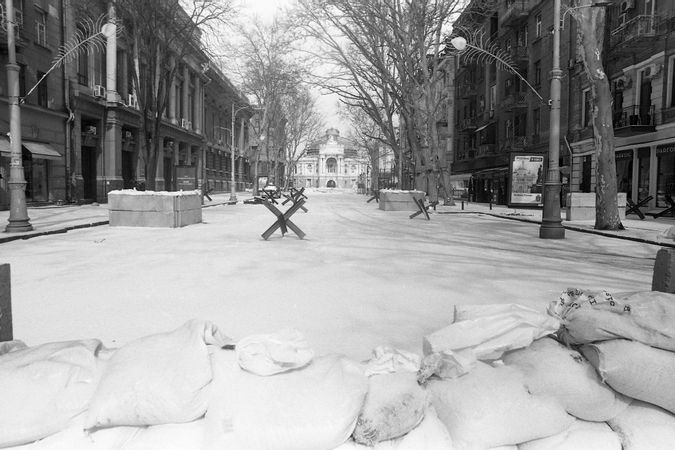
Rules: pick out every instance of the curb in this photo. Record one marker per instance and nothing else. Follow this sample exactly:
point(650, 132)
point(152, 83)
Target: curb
point(570, 227)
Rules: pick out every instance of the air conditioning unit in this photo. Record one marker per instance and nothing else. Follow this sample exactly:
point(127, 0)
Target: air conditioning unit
point(128, 135)
point(99, 91)
point(652, 71)
point(626, 5)
point(133, 101)
point(184, 123)
point(91, 130)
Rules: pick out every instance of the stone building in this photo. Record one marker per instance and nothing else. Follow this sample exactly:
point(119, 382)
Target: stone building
point(331, 162)
point(498, 114)
point(81, 126)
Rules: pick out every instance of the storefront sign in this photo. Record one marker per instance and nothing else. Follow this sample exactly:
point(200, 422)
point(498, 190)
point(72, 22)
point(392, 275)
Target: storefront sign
point(625, 154)
point(526, 183)
point(670, 148)
point(186, 178)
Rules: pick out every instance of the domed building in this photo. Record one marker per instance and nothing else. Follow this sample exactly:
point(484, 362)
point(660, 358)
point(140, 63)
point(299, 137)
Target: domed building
point(331, 162)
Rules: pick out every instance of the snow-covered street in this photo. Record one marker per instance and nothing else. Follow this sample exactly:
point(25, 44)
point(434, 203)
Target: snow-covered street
point(362, 277)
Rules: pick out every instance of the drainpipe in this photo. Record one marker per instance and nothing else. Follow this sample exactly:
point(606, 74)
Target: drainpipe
point(65, 5)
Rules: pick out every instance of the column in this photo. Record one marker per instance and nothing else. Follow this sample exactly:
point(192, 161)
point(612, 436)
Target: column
point(110, 165)
point(196, 106)
point(111, 55)
point(160, 181)
point(172, 103)
point(186, 92)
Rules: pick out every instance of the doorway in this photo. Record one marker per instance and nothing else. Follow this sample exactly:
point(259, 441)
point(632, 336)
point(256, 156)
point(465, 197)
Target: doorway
point(330, 184)
point(89, 173)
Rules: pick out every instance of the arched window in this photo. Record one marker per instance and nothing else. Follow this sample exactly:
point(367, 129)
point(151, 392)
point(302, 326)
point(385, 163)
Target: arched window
point(331, 165)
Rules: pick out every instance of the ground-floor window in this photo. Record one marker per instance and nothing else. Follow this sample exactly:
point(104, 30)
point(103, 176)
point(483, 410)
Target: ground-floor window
point(643, 173)
point(624, 171)
point(35, 172)
point(665, 180)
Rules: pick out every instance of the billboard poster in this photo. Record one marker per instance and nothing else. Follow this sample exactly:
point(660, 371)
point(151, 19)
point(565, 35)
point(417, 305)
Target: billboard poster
point(526, 185)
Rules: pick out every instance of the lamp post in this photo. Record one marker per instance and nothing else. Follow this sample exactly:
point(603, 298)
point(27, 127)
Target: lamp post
point(18, 213)
point(233, 187)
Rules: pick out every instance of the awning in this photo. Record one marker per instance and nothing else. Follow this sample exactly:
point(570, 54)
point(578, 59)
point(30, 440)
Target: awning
point(37, 149)
point(40, 150)
point(481, 128)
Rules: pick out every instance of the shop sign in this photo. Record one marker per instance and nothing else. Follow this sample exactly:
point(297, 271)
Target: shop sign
point(526, 183)
point(625, 154)
point(186, 178)
point(670, 148)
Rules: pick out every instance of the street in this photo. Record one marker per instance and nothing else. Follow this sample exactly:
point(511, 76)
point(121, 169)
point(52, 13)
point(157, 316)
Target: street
point(362, 277)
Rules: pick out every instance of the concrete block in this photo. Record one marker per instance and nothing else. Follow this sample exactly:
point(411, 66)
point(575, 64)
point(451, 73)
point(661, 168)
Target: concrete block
point(153, 209)
point(663, 279)
point(399, 200)
point(6, 330)
point(581, 206)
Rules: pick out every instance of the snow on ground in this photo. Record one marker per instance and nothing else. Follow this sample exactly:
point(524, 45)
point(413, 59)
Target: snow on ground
point(362, 277)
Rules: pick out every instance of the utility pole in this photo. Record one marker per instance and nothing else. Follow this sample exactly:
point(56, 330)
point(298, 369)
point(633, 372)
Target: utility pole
point(18, 213)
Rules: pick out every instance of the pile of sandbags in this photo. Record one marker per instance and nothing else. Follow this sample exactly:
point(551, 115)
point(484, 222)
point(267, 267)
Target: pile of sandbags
point(596, 372)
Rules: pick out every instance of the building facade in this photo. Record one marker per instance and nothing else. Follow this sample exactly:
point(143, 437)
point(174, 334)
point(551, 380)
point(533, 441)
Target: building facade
point(81, 125)
point(498, 115)
point(331, 162)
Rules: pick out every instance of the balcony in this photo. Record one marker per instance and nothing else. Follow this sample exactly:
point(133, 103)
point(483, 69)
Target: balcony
point(634, 120)
point(516, 11)
point(634, 34)
point(517, 99)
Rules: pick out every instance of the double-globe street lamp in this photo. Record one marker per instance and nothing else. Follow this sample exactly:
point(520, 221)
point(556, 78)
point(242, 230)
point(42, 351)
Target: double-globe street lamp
point(551, 223)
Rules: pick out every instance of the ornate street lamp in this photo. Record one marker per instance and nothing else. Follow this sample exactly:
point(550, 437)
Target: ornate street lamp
point(18, 212)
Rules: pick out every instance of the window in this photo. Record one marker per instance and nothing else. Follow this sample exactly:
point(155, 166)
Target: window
point(537, 25)
point(42, 90)
point(331, 165)
point(536, 121)
point(671, 82)
point(585, 184)
point(586, 109)
point(537, 73)
point(22, 80)
point(83, 68)
point(41, 27)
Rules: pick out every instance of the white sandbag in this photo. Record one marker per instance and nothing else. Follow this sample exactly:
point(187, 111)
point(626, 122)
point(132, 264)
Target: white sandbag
point(157, 379)
point(394, 405)
point(488, 333)
point(643, 426)
point(430, 434)
point(390, 360)
point(647, 317)
point(268, 354)
point(312, 408)
point(171, 436)
point(218, 418)
point(551, 368)
point(490, 406)
point(581, 435)
point(43, 388)
point(636, 370)
point(10, 346)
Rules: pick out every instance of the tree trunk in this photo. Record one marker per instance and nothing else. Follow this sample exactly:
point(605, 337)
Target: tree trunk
point(592, 24)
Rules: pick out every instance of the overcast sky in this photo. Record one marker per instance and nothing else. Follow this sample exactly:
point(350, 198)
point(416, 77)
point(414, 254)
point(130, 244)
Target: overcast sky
point(266, 9)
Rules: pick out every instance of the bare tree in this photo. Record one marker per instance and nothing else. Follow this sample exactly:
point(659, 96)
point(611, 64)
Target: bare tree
point(304, 125)
point(591, 33)
point(388, 61)
point(161, 33)
point(267, 72)
point(368, 135)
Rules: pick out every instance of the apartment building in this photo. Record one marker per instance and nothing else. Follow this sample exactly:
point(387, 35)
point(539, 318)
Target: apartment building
point(498, 115)
point(81, 127)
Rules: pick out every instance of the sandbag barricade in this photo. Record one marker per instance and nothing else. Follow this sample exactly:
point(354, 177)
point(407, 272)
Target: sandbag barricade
point(643, 426)
point(581, 435)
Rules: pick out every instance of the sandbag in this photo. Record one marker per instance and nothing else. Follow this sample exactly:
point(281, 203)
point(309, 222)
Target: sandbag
point(390, 360)
point(430, 434)
point(490, 406)
point(394, 405)
point(157, 379)
point(643, 426)
point(581, 435)
point(269, 354)
point(10, 346)
point(489, 331)
point(311, 408)
point(551, 368)
point(43, 388)
point(586, 317)
point(636, 370)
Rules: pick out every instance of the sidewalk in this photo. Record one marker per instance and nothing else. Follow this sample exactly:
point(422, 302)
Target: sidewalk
point(61, 219)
